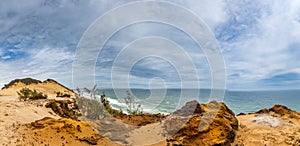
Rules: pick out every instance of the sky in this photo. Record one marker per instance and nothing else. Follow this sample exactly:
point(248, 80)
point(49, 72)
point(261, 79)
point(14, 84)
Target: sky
point(259, 42)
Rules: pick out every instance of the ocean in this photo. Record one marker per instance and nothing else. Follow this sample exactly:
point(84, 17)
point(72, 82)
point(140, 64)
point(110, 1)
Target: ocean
point(167, 101)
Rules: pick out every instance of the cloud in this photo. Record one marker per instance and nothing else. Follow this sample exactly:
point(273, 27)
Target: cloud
point(45, 63)
point(259, 41)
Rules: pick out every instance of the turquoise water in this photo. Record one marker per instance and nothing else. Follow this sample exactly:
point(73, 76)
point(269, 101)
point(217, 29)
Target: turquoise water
point(156, 101)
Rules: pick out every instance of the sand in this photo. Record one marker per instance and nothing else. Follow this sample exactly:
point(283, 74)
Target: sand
point(147, 135)
point(264, 129)
point(17, 118)
point(49, 88)
point(14, 113)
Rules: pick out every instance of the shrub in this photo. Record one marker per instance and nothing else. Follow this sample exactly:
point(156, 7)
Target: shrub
point(108, 108)
point(90, 108)
point(93, 108)
point(132, 106)
point(27, 94)
point(60, 94)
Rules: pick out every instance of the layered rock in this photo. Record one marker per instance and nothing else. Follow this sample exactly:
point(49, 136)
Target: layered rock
point(202, 124)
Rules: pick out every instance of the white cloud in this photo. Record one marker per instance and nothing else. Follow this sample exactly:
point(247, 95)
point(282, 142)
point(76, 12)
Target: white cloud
point(45, 63)
point(266, 53)
point(211, 11)
point(265, 36)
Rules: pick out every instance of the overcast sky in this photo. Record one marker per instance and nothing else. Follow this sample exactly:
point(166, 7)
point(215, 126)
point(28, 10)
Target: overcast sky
point(259, 40)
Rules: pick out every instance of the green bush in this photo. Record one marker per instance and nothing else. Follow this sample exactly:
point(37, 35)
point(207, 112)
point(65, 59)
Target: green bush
point(27, 94)
point(133, 107)
point(108, 108)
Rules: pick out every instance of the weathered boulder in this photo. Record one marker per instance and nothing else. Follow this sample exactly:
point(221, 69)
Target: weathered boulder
point(209, 124)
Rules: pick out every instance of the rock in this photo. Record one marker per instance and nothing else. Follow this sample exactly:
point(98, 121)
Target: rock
point(284, 111)
point(64, 108)
point(262, 111)
point(210, 124)
point(240, 114)
point(281, 111)
point(90, 140)
point(141, 119)
point(190, 108)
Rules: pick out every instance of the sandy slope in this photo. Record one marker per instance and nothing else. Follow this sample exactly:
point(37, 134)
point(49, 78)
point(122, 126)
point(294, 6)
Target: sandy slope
point(31, 123)
point(14, 113)
point(47, 87)
point(147, 135)
point(265, 129)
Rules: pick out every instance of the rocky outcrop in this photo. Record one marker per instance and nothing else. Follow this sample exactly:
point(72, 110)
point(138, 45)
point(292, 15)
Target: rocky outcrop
point(280, 111)
point(190, 108)
point(202, 124)
point(49, 131)
point(64, 108)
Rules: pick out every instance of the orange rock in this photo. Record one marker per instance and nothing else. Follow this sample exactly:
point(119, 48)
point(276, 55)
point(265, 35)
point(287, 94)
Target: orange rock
point(210, 124)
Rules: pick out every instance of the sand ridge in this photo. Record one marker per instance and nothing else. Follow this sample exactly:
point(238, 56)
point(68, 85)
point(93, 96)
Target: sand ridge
point(48, 87)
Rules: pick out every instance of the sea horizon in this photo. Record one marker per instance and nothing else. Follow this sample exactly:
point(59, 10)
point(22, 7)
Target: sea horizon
point(238, 101)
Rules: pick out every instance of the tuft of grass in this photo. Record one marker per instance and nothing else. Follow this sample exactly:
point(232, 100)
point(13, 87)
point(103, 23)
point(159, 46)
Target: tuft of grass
point(27, 94)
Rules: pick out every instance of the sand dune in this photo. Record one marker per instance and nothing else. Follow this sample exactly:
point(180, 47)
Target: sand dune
point(31, 123)
point(14, 113)
point(49, 87)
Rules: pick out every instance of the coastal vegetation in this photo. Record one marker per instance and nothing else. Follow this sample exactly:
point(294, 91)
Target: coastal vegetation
point(95, 108)
point(27, 94)
point(133, 107)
